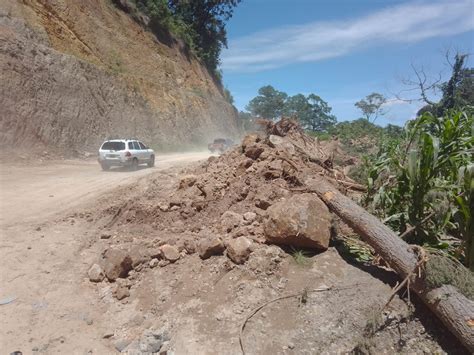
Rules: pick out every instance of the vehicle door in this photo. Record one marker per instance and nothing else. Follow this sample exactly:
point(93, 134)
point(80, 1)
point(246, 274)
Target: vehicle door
point(145, 151)
point(138, 151)
point(133, 150)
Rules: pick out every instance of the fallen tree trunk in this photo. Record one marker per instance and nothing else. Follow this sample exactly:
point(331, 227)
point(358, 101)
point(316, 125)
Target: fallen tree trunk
point(454, 309)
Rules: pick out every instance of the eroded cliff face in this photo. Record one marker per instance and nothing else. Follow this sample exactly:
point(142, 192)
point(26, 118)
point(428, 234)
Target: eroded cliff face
point(75, 72)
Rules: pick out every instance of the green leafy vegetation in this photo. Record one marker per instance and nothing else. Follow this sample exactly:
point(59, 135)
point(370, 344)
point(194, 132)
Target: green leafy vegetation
point(301, 257)
point(228, 96)
point(420, 179)
point(313, 113)
point(355, 249)
point(269, 103)
point(372, 106)
point(428, 176)
point(457, 92)
point(200, 24)
point(363, 137)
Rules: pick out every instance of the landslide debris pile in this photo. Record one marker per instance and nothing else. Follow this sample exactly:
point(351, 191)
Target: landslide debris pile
point(250, 196)
point(211, 243)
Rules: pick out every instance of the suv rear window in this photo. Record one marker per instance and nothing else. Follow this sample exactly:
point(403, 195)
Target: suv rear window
point(113, 146)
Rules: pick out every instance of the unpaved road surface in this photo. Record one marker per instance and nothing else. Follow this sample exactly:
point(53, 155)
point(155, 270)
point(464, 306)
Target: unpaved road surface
point(46, 305)
point(33, 193)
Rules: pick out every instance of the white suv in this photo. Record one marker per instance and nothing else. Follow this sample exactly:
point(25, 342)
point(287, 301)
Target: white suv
point(125, 152)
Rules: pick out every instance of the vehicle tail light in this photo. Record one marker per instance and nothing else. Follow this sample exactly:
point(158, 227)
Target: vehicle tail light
point(128, 154)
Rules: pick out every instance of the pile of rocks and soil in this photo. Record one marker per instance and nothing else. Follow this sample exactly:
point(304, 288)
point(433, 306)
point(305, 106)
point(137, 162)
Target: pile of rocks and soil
point(227, 235)
point(232, 204)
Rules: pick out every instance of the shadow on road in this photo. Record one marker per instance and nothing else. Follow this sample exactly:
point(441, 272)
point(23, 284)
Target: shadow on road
point(125, 169)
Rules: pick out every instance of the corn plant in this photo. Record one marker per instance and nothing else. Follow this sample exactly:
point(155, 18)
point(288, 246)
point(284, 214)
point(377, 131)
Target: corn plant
point(429, 173)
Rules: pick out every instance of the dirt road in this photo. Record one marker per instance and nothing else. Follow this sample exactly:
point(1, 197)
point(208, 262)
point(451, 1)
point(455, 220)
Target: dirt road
point(44, 306)
point(34, 193)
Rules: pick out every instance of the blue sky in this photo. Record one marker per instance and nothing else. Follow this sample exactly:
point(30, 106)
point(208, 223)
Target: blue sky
point(343, 50)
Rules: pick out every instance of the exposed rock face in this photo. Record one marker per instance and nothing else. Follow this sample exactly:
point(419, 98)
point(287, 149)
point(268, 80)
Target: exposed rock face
point(301, 221)
point(76, 72)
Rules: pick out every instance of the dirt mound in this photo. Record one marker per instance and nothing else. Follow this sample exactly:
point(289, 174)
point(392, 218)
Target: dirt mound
point(195, 253)
point(230, 196)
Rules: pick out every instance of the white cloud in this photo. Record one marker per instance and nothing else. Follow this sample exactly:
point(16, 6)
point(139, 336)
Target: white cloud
point(315, 41)
point(395, 102)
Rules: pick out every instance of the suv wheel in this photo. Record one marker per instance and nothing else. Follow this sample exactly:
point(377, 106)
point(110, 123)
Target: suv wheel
point(105, 166)
point(151, 163)
point(134, 164)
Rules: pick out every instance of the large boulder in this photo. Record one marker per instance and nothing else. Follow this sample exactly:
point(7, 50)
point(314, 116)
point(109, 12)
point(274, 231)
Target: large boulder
point(116, 263)
point(300, 221)
point(239, 249)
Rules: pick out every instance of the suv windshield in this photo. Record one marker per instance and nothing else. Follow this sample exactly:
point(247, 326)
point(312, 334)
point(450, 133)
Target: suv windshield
point(113, 146)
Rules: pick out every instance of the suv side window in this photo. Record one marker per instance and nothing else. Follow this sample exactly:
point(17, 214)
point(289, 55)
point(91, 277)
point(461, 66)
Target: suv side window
point(130, 146)
point(136, 146)
point(142, 146)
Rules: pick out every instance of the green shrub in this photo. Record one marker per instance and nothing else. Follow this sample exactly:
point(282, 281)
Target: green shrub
point(428, 173)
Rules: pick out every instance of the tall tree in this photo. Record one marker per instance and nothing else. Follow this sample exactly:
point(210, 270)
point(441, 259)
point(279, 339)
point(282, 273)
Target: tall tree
point(206, 19)
point(270, 103)
point(320, 118)
point(372, 106)
point(298, 106)
point(457, 92)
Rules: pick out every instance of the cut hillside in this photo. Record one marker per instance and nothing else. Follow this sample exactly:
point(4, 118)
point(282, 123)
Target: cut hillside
point(76, 72)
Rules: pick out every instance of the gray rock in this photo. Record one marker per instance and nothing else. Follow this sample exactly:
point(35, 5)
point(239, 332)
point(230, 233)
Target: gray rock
point(121, 344)
point(95, 273)
point(151, 342)
point(153, 263)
